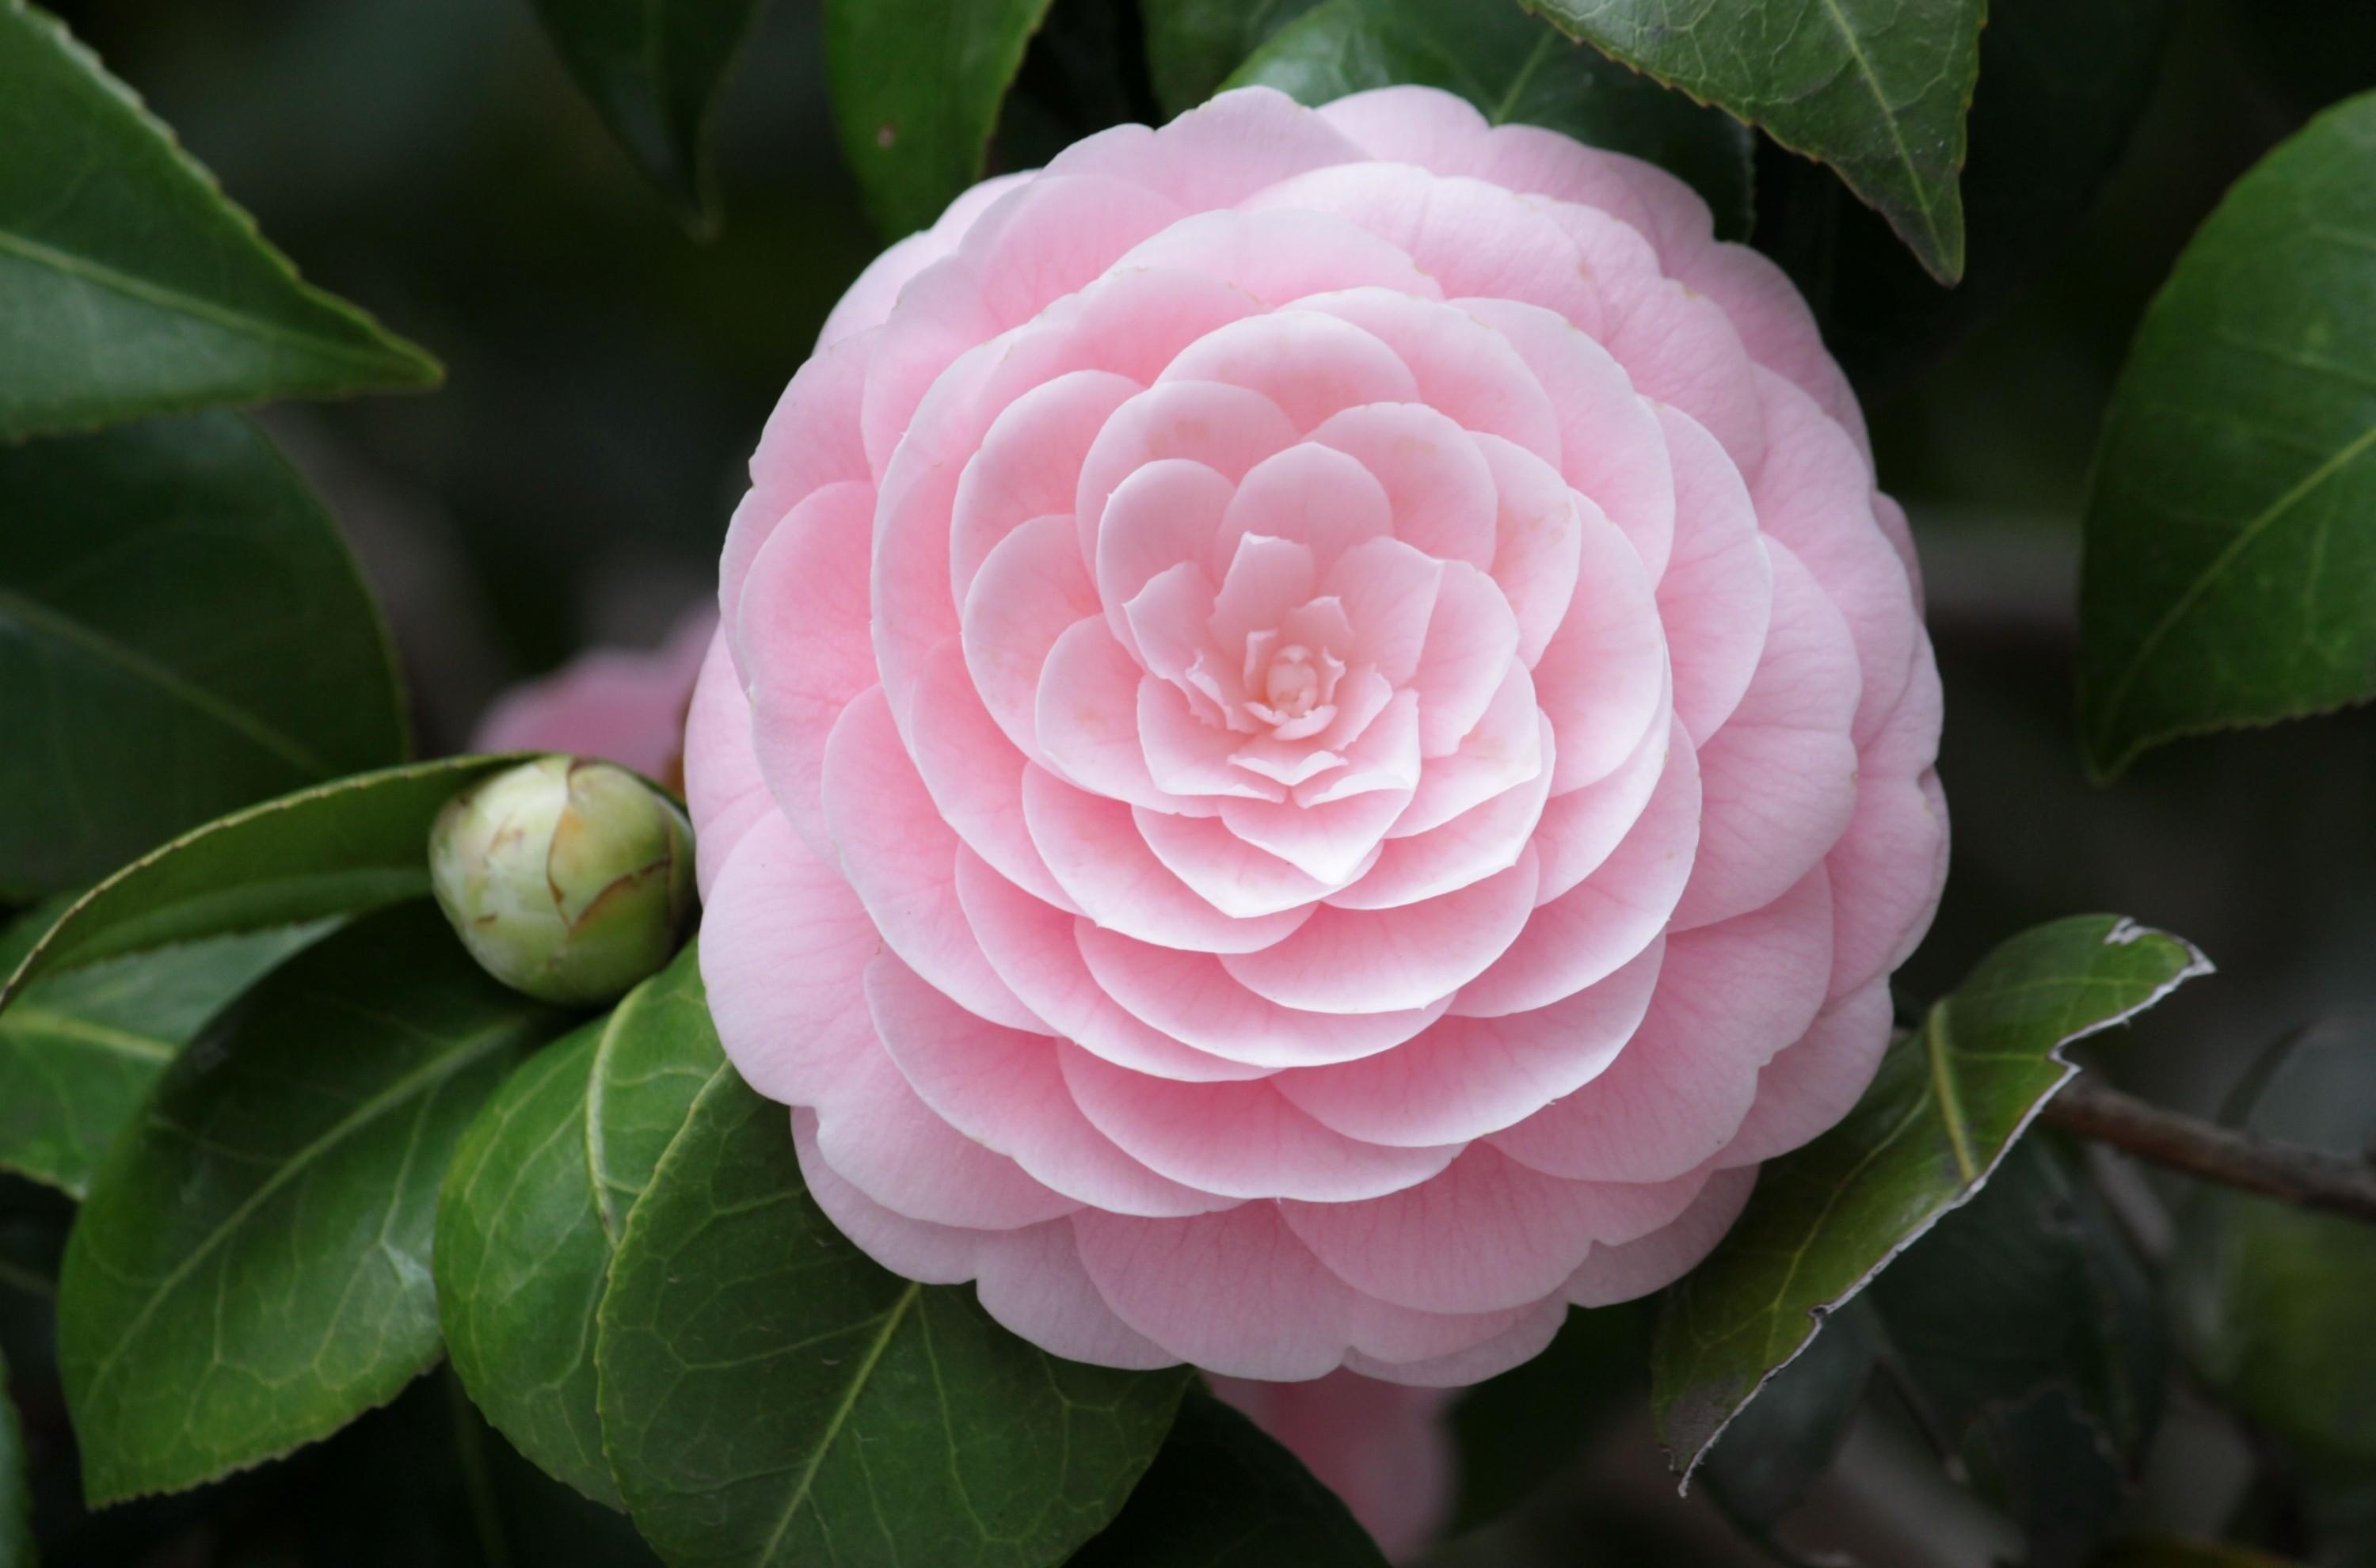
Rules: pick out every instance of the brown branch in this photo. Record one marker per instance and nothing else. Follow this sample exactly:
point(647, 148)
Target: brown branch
point(2310, 1177)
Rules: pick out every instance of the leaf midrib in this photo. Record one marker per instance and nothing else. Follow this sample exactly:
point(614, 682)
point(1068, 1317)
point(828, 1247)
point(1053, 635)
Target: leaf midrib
point(32, 1017)
point(471, 1049)
point(1936, 1044)
point(42, 620)
point(2217, 567)
point(860, 1374)
point(169, 299)
point(1922, 199)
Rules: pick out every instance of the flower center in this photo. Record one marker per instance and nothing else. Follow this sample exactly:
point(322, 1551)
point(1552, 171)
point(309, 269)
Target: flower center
point(1291, 686)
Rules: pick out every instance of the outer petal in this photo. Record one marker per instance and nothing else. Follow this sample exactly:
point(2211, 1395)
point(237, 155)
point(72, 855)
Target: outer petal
point(723, 790)
point(1030, 1279)
point(1487, 1234)
point(1216, 155)
point(1731, 997)
point(800, 644)
point(1238, 1294)
point(1635, 1268)
point(1817, 1080)
point(811, 441)
point(784, 961)
point(1472, 237)
point(1001, 1089)
point(1278, 258)
point(1717, 596)
point(885, 1142)
point(1779, 780)
point(902, 861)
point(1816, 496)
point(1889, 866)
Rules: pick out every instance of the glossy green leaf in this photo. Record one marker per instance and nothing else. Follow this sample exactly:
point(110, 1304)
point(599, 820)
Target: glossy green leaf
point(1876, 88)
point(2060, 83)
point(15, 1497)
point(916, 86)
point(535, 1200)
point(128, 284)
point(1791, 1433)
point(771, 1397)
point(334, 849)
point(251, 1271)
point(655, 70)
point(1193, 45)
point(181, 631)
point(1515, 69)
point(2229, 573)
point(79, 1050)
point(1223, 1495)
point(1948, 1101)
point(2273, 1300)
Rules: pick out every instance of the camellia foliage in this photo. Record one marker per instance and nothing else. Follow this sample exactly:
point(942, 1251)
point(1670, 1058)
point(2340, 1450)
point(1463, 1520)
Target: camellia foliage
point(365, 1204)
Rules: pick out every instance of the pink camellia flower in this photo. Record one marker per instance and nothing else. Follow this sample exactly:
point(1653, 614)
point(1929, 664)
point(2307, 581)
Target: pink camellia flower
point(1320, 741)
point(622, 705)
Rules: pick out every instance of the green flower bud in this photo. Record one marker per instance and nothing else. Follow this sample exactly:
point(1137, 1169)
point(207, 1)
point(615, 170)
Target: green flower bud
point(567, 879)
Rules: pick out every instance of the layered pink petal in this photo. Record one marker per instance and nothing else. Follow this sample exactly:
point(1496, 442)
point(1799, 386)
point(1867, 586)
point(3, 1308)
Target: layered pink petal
point(723, 789)
point(1095, 852)
point(1464, 1078)
point(1608, 1275)
point(1032, 945)
point(1001, 1089)
point(802, 650)
point(1730, 997)
point(1779, 781)
point(1191, 998)
point(1485, 1235)
point(1239, 1294)
point(901, 860)
point(1384, 960)
point(1241, 1140)
point(1439, 493)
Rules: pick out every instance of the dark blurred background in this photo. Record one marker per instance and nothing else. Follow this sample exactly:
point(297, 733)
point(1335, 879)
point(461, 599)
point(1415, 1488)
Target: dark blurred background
point(607, 377)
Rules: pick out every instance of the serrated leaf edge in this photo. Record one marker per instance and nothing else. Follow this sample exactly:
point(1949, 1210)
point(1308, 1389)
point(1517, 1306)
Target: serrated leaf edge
point(2124, 933)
